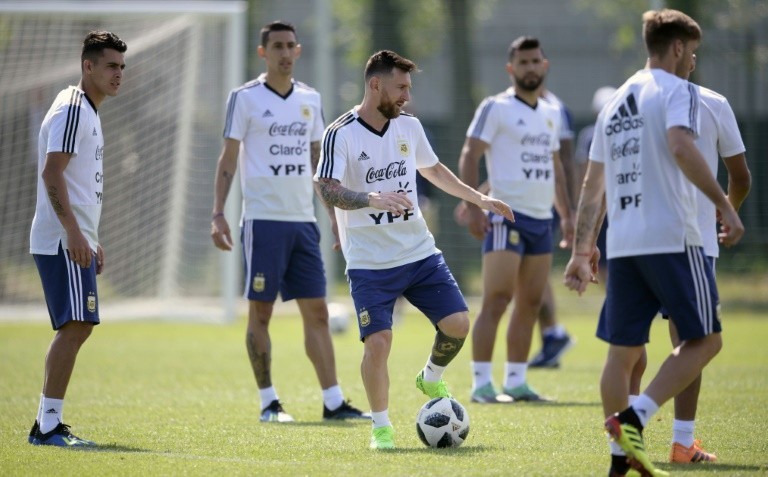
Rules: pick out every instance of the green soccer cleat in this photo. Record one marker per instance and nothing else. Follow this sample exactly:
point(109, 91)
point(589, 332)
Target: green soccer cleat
point(275, 413)
point(525, 393)
point(432, 389)
point(486, 394)
point(383, 438)
point(631, 440)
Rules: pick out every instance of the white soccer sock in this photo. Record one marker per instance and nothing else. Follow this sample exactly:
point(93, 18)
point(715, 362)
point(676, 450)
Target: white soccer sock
point(267, 396)
point(632, 398)
point(52, 414)
point(615, 448)
point(481, 374)
point(39, 416)
point(557, 331)
point(645, 408)
point(380, 419)
point(682, 432)
point(514, 374)
point(432, 372)
point(333, 397)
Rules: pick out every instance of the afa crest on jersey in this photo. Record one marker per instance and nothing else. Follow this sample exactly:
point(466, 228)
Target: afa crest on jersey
point(403, 147)
point(549, 124)
point(258, 282)
point(306, 112)
point(514, 237)
point(91, 303)
point(364, 317)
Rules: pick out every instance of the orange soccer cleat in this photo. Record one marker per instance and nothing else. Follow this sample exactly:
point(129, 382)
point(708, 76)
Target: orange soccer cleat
point(690, 455)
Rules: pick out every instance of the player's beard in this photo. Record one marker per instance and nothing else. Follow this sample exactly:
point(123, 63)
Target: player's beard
point(530, 82)
point(388, 109)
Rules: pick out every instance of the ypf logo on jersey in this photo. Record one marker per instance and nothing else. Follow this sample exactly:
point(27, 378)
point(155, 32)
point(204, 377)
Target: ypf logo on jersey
point(259, 282)
point(626, 118)
point(364, 318)
point(306, 112)
point(91, 303)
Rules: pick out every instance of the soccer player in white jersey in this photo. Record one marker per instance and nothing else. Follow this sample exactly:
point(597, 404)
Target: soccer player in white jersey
point(519, 135)
point(64, 239)
point(274, 125)
point(644, 168)
point(719, 138)
point(368, 172)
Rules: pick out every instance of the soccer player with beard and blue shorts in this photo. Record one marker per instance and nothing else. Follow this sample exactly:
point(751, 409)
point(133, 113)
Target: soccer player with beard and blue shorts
point(367, 171)
point(644, 169)
point(64, 239)
point(274, 125)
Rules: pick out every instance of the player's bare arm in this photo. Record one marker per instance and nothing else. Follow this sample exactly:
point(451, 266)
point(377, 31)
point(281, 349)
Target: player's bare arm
point(693, 165)
point(739, 179)
point(56, 186)
point(446, 180)
point(335, 194)
point(314, 157)
point(469, 172)
point(578, 272)
point(225, 174)
point(563, 202)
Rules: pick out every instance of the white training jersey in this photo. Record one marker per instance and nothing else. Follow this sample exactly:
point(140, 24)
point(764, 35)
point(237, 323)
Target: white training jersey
point(651, 205)
point(719, 137)
point(275, 133)
point(520, 139)
point(566, 121)
point(72, 126)
point(366, 160)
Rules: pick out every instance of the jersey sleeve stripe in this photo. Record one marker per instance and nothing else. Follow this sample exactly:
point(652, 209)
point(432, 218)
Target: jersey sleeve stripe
point(230, 112)
point(73, 120)
point(694, 108)
point(485, 110)
point(329, 141)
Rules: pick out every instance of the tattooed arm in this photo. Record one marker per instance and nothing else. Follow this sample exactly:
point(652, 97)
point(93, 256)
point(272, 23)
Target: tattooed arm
point(225, 173)
point(314, 151)
point(56, 187)
point(336, 195)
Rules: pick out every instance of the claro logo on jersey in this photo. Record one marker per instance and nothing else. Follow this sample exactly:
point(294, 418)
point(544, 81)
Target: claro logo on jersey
point(626, 118)
point(393, 169)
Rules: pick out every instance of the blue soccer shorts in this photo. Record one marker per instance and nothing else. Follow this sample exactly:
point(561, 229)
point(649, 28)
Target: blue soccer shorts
point(525, 236)
point(282, 257)
point(427, 284)
point(683, 283)
point(69, 289)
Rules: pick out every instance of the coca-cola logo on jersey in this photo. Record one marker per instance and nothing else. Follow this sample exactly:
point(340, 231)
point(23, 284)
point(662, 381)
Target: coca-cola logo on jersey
point(296, 128)
point(535, 140)
point(393, 169)
point(630, 148)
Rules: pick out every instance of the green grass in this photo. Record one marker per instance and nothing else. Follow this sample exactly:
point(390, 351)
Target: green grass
point(180, 399)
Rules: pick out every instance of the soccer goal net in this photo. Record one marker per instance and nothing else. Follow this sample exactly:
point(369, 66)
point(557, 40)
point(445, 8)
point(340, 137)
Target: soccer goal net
point(162, 140)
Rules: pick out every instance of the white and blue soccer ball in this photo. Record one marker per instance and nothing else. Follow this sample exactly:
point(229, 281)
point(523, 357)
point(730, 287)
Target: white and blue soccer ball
point(338, 318)
point(442, 422)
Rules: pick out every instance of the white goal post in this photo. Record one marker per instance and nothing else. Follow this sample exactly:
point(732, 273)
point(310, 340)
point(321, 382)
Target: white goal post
point(162, 139)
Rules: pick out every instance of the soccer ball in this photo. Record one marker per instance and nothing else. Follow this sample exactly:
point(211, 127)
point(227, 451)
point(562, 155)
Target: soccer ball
point(442, 422)
point(338, 318)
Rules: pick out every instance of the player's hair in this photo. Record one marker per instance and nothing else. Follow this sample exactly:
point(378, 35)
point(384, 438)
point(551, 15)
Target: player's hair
point(523, 43)
point(276, 26)
point(384, 61)
point(96, 42)
point(662, 27)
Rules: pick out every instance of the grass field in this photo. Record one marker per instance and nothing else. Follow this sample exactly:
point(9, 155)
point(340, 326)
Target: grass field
point(179, 399)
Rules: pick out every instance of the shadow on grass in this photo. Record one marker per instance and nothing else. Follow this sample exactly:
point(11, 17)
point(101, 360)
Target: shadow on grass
point(113, 447)
point(711, 468)
point(464, 450)
point(539, 404)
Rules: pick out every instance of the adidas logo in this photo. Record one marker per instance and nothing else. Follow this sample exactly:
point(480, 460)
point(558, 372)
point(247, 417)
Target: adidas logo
point(520, 122)
point(51, 411)
point(94, 132)
point(512, 373)
point(626, 118)
point(267, 114)
point(363, 157)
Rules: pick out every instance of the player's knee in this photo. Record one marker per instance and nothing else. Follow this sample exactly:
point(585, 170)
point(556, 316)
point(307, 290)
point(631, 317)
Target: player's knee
point(76, 332)
point(456, 325)
point(377, 345)
point(495, 305)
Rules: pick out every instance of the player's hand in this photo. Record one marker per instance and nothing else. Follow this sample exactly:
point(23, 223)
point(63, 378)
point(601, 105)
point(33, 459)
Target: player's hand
point(461, 214)
point(395, 203)
point(222, 237)
point(335, 229)
point(731, 228)
point(497, 207)
point(477, 222)
point(580, 272)
point(79, 250)
point(567, 230)
point(99, 260)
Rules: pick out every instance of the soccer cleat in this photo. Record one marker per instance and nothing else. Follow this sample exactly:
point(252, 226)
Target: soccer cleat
point(60, 437)
point(552, 350)
point(33, 431)
point(275, 413)
point(631, 440)
point(383, 437)
point(690, 455)
point(432, 389)
point(525, 393)
point(345, 411)
point(486, 394)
